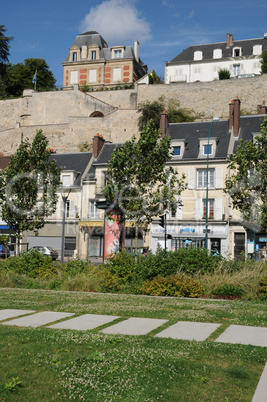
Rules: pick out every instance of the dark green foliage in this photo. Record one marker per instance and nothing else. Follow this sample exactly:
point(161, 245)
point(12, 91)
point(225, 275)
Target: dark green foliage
point(224, 74)
point(33, 264)
point(248, 181)
point(153, 110)
point(73, 268)
point(262, 290)
point(264, 63)
point(173, 285)
point(153, 78)
point(228, 290)
point(28, 186)
point(20, 77)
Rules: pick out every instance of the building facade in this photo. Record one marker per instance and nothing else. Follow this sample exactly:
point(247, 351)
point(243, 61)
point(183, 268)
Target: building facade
point(92, 63)
point(203, 62)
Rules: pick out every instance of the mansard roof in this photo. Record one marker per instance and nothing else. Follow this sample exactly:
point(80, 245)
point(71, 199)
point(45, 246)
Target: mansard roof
point(89, 38)
point(77, 162)
point(247, 50)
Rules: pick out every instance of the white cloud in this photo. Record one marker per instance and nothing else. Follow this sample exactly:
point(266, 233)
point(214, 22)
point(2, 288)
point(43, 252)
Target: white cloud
point(118, 21)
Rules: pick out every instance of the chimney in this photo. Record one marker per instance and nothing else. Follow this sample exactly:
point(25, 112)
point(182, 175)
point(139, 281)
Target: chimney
point(229, 40)
point(98, 143)
point(263, 108)
point(236, 116)
point(163, 124)
point(231, 115)
point(136, 50)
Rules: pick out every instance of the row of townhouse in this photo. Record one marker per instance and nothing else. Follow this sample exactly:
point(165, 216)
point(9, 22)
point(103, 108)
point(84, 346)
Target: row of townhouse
point(83, 176)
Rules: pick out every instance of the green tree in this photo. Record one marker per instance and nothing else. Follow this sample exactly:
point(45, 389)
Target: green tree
point(20, 77)
point(140, 184)
point(264, 63)
point(224, 74)
point(247, 185)
point(28, 186)
point(4, 53)
point(153, 78)
point(152, 111)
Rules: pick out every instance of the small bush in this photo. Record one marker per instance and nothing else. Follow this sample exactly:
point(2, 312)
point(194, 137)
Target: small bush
point(224, 74)
point(228, 290)
point(262, 289)
point(173, 285)
point(121, 265)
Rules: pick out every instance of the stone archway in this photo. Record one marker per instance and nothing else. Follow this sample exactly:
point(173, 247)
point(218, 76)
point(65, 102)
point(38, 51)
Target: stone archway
point(97, 114)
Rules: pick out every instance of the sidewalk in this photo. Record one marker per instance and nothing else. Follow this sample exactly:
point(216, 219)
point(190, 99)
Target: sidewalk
point(184, 330)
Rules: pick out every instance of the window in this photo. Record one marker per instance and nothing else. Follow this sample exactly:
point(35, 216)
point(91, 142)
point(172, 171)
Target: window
point(116, 74)
point(177, 150)
point(210, 208)
point(236, 69)
point(74, 56)
point(93, 54)
point(257, 50)
point(93, 211)
point(92, 76)
point(202, 178)
point(74, 77)
point(198, 55)
point(217, 53)
point(207, 149)
point(237, 52)
point(66, 180)
point(117, 54)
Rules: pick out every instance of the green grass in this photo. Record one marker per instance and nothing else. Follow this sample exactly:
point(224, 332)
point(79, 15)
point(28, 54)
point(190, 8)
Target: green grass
point(45, 364)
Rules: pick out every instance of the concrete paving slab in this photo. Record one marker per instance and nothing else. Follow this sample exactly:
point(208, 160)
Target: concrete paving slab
point(134, 326)
point(10, 313)
point(38, 319)
point(244, 335)
point(84, 322)
point(261, 390)
point(191, 331)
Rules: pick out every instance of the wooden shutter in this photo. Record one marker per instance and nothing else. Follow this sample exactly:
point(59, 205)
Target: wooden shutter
point(191, 178)
point(219, 177)
point(218, 208)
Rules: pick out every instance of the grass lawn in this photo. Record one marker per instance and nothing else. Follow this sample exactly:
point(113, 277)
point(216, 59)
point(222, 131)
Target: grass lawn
point(45, 364)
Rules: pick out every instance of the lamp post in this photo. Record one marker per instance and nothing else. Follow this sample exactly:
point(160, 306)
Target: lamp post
point(64, 194)
point(207, 185)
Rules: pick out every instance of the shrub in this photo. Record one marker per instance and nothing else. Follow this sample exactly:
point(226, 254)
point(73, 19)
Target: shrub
point(173, 285)
point(224, 74)
point(262, 289)
point(73, 268)
point(33, 264)
point(121, 265)
point(229, 290)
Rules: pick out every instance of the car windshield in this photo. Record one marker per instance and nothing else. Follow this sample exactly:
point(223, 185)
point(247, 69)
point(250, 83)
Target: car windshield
point(50, 249)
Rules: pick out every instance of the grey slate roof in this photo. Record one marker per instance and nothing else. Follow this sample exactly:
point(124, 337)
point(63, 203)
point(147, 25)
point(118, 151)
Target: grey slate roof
point(207, 49)
point(74, 161)
point(192, 132)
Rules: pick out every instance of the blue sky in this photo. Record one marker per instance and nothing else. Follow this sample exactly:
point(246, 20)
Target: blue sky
point(46, 29)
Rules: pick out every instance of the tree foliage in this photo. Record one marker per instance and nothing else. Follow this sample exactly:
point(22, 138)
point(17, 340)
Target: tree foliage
point(139, 183)
point(153, 110)
point(20, 77)
point(4, 53)
point(224, 74)
point(153, 78)
point(247, 185)
point(28, 186)
point(264, 63)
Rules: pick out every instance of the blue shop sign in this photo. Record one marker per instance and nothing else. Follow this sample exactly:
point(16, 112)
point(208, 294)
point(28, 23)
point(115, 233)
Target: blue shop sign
point(187, 230)
point(262, 239)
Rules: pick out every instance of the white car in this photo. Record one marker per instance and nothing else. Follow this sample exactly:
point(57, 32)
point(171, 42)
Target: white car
point(46, 251)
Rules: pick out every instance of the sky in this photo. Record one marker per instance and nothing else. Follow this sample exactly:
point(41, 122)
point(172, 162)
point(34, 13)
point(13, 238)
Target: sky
point(47, 29)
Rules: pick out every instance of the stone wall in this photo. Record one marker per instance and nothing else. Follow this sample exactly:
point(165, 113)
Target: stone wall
point(64, 116)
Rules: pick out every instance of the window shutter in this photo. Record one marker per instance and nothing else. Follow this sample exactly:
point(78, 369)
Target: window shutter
point(191, 178)
point(218, 208)
point(179, 213)
point(72, 209)
point(219, 177)
point(198, 208)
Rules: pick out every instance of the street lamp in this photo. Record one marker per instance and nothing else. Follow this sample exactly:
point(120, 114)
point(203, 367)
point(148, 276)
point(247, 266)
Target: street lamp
point(65, 191)
point(207, 185)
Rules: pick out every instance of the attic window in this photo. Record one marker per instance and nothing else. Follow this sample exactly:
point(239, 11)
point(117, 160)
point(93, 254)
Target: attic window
point(74, 56)
point(93, 55)
point(198, 55)
point(217, 53)
point(178, 148)
point(207, 149)
point(257, 50)
point(117, 54)
point(237, 52)
point(66, 180)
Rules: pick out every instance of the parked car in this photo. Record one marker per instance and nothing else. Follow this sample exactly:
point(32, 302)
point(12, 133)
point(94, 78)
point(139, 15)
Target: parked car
point(4, 251)
point(46, 251)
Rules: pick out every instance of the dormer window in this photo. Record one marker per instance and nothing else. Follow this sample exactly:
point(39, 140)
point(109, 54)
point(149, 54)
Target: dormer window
point(198, 55)
point(66, 180)
point(207, 148)
point(217, 53)
point(257, 50)
point(74, 56)
point(237, 52)
point(93, 55)
point(117, 52)
point(178, 148)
